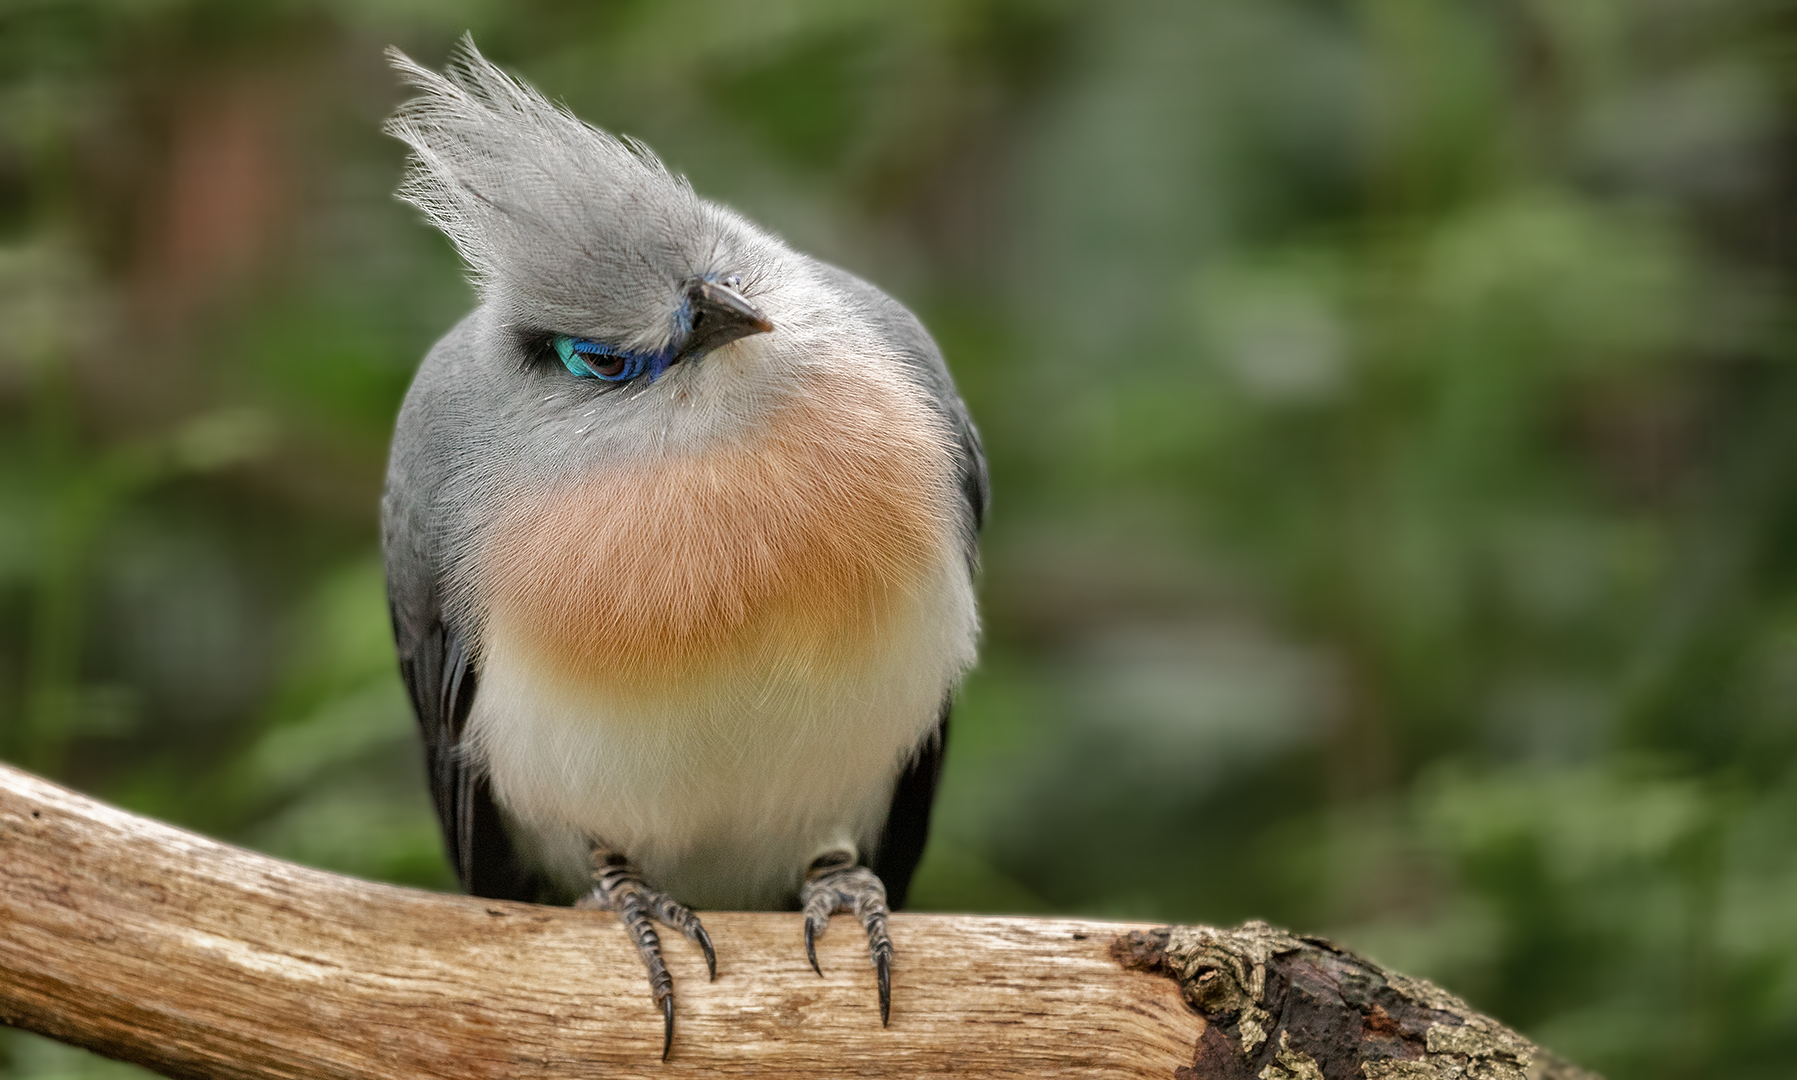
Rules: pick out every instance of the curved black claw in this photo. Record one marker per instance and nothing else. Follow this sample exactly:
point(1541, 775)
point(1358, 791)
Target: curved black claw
point(711, 956)
point(835, 884)
point(811, 944)
point(883, 965)
point(619, 887)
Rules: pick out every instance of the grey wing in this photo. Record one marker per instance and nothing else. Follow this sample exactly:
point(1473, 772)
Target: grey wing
point(436, 658)
point(908, 817)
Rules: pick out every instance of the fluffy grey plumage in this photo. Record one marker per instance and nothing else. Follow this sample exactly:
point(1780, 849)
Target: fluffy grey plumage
point(698, 625)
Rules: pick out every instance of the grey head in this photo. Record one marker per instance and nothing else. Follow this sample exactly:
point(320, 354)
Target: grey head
point(570, 230)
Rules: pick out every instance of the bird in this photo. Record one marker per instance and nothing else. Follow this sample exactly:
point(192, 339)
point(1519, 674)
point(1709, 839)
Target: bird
point(680, 529)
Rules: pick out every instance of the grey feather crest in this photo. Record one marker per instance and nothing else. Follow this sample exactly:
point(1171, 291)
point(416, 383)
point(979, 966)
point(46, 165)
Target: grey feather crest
point(557, 220)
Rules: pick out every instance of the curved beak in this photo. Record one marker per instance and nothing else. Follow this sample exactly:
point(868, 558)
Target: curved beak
point(720, 316)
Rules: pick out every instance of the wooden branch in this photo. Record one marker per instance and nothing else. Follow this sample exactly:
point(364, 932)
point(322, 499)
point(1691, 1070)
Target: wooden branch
point(194, 958)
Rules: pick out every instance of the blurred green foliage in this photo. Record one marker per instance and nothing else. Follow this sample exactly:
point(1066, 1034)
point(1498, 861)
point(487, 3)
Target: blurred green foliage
point(1391, 409)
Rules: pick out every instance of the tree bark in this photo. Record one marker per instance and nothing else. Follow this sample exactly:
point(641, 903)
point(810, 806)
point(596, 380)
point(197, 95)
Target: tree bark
point(194, 958)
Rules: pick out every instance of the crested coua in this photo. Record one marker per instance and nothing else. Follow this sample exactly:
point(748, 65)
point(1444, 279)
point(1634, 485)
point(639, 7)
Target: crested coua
point(680, 532)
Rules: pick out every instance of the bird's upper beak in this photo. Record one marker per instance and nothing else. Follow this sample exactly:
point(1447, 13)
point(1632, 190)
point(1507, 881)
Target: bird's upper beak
point(720, 315)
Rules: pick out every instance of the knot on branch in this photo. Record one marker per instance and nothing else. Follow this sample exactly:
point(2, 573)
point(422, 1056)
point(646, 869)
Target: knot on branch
point(1280, 1006)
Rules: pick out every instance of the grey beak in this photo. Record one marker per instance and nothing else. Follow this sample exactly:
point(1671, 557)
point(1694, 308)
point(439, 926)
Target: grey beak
point(720, 316)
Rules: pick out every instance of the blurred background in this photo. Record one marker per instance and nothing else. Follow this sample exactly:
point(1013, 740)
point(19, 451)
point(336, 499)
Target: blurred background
point(1392, 412)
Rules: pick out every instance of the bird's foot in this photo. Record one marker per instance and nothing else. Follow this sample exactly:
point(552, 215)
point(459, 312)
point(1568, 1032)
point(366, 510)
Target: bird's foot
point(619, 887)
point(834, 883)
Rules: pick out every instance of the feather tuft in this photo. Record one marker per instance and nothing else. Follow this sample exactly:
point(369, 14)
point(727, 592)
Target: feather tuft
point(556, 219)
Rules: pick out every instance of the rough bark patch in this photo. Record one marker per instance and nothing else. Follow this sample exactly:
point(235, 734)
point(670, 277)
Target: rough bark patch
point(1285, 1007)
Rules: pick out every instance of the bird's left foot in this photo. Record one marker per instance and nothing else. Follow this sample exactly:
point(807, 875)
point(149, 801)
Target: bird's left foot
point(834, 883)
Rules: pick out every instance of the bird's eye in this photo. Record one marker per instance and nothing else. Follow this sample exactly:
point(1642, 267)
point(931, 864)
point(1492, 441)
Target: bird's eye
point(591, 359)
point(606, 367)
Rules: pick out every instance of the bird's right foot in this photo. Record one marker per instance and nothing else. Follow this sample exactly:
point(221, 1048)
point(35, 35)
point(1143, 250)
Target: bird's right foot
point(618, 886)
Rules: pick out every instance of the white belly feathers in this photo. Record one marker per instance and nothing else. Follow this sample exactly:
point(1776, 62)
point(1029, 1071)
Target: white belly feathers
point(721, 790)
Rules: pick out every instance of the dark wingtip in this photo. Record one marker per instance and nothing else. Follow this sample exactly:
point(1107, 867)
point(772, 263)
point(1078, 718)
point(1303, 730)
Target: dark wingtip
point(667, 1025)
point(885, 969)
point(811, 948)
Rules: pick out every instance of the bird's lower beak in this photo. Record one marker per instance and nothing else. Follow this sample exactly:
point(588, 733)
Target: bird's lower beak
point(720, 315)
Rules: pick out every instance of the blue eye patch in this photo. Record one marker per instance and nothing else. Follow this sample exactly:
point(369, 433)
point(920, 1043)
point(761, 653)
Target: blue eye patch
point(592, 360)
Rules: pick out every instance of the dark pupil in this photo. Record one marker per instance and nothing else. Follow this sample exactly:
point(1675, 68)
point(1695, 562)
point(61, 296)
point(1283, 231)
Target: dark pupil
point(608, 366)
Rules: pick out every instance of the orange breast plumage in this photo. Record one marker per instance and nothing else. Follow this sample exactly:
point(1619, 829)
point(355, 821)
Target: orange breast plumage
point(796, 545)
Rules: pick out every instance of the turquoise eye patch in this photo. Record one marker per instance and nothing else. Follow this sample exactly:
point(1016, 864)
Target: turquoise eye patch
point(592, 360)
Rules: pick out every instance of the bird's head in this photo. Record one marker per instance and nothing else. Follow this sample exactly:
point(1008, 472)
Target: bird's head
point(593, 259)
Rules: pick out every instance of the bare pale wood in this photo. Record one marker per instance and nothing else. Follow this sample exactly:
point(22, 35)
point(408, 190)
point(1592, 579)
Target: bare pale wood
point(195, 958)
